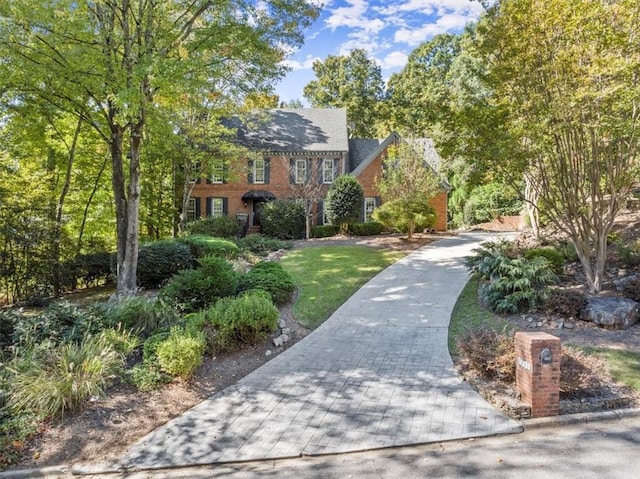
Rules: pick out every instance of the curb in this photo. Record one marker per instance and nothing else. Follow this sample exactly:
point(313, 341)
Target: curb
point(584, 418)
point(64, 471)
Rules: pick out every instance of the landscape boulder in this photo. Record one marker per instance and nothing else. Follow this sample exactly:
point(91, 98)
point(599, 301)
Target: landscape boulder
point(611, 312)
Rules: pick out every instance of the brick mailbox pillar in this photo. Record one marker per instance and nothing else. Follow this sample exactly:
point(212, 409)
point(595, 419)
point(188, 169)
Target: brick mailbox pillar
point(538, 372)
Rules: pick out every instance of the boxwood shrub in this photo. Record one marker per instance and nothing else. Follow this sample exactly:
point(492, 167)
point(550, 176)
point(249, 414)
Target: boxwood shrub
point(555, 257)
point(324, 231)
point(191, 290)
point(181, 353)
point(246, 319)
point(160, 260)
point(269, 276)
point(203, 245)
point(369, 228)
point(220, 227)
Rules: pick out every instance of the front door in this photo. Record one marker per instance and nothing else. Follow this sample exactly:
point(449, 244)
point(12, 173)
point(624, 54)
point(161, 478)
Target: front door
point(257, 210)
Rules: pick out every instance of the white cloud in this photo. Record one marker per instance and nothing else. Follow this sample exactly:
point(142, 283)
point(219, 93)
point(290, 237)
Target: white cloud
point(306, 64)
point(393, 60)
point(445, 23)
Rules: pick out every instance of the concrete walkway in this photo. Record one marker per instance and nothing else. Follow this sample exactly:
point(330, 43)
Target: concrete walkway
point(376, 374)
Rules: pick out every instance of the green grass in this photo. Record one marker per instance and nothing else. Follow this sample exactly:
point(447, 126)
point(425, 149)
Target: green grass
point(624, 366)
point(467, 315)
point(326, 276)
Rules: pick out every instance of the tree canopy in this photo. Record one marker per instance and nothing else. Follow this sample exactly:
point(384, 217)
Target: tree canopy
point(353, 82)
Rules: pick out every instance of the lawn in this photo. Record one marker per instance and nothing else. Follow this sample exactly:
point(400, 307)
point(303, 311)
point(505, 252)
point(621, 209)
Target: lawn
point(326, 276)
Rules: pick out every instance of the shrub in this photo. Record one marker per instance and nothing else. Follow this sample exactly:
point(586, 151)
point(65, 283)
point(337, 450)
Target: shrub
point(138, 313)
point(402, 215)
point(59, 322)
point(220, 227)
point(565, 303)
point(51, 379)
point(629, 253)
point(370, 228)
point(202, 245)
point(511, 284)
point(191, 290)
point(91, 269)
point(181, 353)
point(160, 260)
point(555, 257)
point(580, 373)
point(489, 353)
point(262, 245)
point(8, 319)
point(147, 376)
point(150, 346)
point(490, 201)
point(283, 219)
point(324, 231)
point(269, 276)
point(631, 288)
point(344, 201)
point(246, 319)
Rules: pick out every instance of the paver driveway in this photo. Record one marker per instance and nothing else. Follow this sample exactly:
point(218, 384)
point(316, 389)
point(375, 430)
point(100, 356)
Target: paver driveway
point(377, 373)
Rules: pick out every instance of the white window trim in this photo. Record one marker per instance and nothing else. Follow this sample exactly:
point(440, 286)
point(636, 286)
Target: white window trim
point(192, 211)
point(217, 172)
point(217, 207)
point(297, 179)
point(369, 208)
point(325, 162)
point(256, 169)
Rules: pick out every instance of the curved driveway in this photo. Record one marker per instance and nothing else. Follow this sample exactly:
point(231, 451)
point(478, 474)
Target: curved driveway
point(377, 373)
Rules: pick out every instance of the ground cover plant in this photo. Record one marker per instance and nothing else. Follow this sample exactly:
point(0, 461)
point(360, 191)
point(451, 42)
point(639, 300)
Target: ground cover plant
point(327, 275)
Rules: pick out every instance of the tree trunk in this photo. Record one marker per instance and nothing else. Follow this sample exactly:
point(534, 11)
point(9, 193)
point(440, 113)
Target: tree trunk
point(59, 209)
point(85, 214)
point(531, 205)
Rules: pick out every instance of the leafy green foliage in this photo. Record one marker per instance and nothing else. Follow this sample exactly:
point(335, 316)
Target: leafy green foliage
point(283, 219)
point(353, 82)
point(555, 257)
point(147, 376)
point(150, 347)
point(59, 322)
point(324, 231)
point(512, 284)
point(406, 215)
point(490, 201)
point(51, 379)
point(138, 313)
point(181, 353)
point(160, 260)
point(262, 245)
point(8, 319)
point(219, 227)
point(203, 245)
point(369, 228)
point(91, 269)
point(247, 319)
point(194, 289)
point(629, 253)
point(269, 276)
point(344, 201)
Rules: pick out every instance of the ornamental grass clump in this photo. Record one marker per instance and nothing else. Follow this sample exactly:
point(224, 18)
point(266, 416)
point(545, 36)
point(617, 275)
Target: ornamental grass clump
point(49, 379)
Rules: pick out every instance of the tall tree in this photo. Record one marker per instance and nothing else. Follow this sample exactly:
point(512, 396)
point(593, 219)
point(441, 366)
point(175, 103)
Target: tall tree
point(353, 82)
point(564, 78)
point(113, 63)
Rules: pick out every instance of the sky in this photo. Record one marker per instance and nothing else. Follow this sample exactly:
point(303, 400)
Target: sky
point(389, 30)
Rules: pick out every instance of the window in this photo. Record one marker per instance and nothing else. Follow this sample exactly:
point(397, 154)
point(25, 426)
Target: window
point(217, 207)
point(328, 170)
point(217, 171)
point(193, 172)
point(369, 206)
point(300, 171)
point(191, 210)
point(259, 170)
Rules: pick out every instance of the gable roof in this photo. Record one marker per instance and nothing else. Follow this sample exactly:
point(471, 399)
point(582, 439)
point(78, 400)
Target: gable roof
point(295, 130)
point(362, 151)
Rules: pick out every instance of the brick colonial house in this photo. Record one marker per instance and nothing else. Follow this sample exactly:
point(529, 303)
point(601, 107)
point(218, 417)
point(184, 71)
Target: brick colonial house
point(291, 147)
